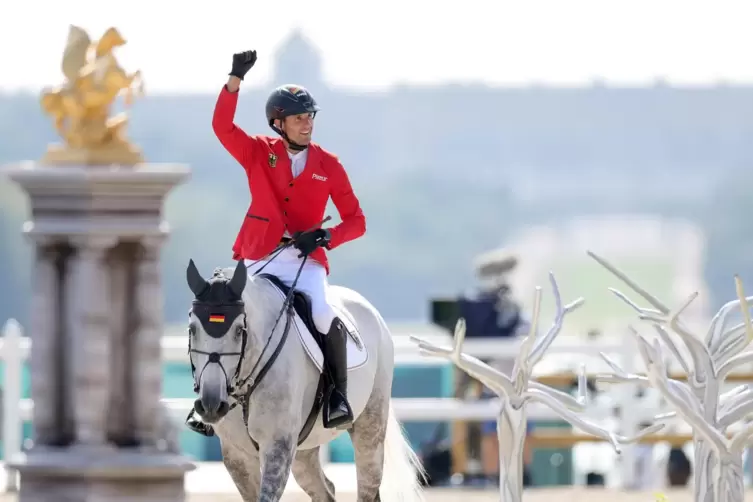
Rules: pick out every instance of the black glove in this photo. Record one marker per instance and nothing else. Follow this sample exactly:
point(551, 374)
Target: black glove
point(307, 242)
point(242, 62)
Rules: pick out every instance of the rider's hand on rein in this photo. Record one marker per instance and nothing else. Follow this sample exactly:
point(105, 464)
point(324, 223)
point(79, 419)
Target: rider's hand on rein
point(307, 242)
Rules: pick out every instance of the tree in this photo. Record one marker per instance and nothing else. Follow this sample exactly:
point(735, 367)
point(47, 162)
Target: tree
point(518, 390)
point(718, 472)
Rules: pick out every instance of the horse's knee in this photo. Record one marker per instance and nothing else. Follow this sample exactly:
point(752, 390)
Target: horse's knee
point(279, 453)
point(277, 458)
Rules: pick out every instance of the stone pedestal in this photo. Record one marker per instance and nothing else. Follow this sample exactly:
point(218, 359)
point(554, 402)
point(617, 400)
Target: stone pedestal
point(74, 474)
point(96, 384)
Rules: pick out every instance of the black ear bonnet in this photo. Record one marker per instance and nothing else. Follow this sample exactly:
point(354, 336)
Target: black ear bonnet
point(218, 301)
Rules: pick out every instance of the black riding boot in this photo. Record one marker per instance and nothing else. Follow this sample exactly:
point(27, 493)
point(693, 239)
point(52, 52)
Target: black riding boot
point(198, 426)
point(337, 412)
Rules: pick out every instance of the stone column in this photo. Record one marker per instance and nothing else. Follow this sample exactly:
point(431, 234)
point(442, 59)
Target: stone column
point(146, 342)
point(98, 353)
point(45, 360)
point(91, 339)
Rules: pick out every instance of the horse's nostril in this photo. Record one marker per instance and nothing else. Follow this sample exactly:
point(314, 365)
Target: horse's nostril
point(224, 408)
point(198, 407)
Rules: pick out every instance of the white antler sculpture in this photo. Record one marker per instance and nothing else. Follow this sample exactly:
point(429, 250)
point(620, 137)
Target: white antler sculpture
point(718, 466)
point(517, 390)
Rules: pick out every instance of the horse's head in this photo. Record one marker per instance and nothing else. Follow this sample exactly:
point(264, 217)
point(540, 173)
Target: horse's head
point(217, 337)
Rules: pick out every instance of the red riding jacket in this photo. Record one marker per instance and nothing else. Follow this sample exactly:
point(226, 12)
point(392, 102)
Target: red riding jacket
point(280, 202)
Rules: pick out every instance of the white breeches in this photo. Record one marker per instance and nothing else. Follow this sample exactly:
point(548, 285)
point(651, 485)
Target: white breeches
point(312, 281)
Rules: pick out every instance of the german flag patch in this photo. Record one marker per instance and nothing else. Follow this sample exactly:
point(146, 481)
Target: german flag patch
point(216, 318)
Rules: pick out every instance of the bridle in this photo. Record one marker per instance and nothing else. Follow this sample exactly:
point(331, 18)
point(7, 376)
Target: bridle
point(216, 357)
point(241, 389)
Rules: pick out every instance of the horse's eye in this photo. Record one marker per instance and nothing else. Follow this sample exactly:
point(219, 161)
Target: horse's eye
point(239, 331)
point(192, 330)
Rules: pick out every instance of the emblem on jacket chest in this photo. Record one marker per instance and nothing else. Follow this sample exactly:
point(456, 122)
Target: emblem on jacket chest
point(272, 160)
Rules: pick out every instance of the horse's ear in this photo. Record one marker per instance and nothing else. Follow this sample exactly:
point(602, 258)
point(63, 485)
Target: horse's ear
point(195, 281)
point(240, 276)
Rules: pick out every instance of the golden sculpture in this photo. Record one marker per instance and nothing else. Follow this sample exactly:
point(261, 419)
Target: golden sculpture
point(80, 107)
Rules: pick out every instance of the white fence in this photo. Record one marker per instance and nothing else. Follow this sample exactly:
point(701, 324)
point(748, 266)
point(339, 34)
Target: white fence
point(14, 350)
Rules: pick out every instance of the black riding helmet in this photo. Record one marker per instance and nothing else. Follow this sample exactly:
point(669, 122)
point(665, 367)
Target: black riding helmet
point(289, 100)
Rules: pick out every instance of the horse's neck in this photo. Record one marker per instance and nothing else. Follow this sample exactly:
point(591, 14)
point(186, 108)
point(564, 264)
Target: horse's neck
point(288, 377)
point(264, 336)
point(262, 308)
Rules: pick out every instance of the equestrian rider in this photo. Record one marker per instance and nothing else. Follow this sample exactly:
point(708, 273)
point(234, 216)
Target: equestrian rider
point(291, 180)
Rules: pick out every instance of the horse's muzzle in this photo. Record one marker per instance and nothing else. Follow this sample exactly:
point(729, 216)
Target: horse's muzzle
point(211, 409)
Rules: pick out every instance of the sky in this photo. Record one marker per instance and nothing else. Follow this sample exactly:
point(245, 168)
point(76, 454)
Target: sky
point(187, 46)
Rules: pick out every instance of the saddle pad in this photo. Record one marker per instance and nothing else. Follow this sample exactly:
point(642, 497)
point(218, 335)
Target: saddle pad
point(357, 353)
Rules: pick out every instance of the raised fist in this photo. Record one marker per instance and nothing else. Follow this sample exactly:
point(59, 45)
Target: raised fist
point(242, 62)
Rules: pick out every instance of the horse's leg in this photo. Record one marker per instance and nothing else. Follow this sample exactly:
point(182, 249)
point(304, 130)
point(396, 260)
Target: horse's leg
point(308, 473)
point(367, 436)
point(276, 459)
point(244, 470)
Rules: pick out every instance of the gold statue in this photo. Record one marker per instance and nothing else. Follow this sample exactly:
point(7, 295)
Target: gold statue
point(80, 107)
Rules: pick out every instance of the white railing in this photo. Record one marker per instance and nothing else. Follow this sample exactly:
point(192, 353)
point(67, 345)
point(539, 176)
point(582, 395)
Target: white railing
point(15, 349)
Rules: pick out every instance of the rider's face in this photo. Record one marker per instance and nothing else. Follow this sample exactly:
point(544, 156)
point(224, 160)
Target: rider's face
point(299, 127)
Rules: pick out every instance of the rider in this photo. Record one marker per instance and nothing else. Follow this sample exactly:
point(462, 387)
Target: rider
point(291, 180)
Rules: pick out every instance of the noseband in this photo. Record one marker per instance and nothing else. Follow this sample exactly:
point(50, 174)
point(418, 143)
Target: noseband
point(217, 319)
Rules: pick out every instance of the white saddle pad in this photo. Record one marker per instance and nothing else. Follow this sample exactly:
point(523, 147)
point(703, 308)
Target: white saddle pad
point(357, 353)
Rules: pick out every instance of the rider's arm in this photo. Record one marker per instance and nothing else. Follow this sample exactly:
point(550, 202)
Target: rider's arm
point(233, 138)
point(353, 224)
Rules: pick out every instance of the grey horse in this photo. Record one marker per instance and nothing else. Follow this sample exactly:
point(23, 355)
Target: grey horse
point(259, 376)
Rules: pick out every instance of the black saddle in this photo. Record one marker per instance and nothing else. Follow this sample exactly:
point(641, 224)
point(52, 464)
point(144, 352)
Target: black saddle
point(302, 306)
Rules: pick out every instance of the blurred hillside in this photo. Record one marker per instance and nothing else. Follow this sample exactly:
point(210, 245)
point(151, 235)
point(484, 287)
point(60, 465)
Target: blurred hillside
point(443, 174)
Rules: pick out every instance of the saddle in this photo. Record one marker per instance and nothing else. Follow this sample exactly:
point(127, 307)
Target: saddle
point(302, 306)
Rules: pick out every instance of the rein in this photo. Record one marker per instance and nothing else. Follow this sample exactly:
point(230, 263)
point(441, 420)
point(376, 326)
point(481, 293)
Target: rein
point(249, 382)
point(244, 398)
point(287, 308)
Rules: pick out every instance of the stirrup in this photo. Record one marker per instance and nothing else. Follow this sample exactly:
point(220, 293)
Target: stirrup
point(341, 423)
